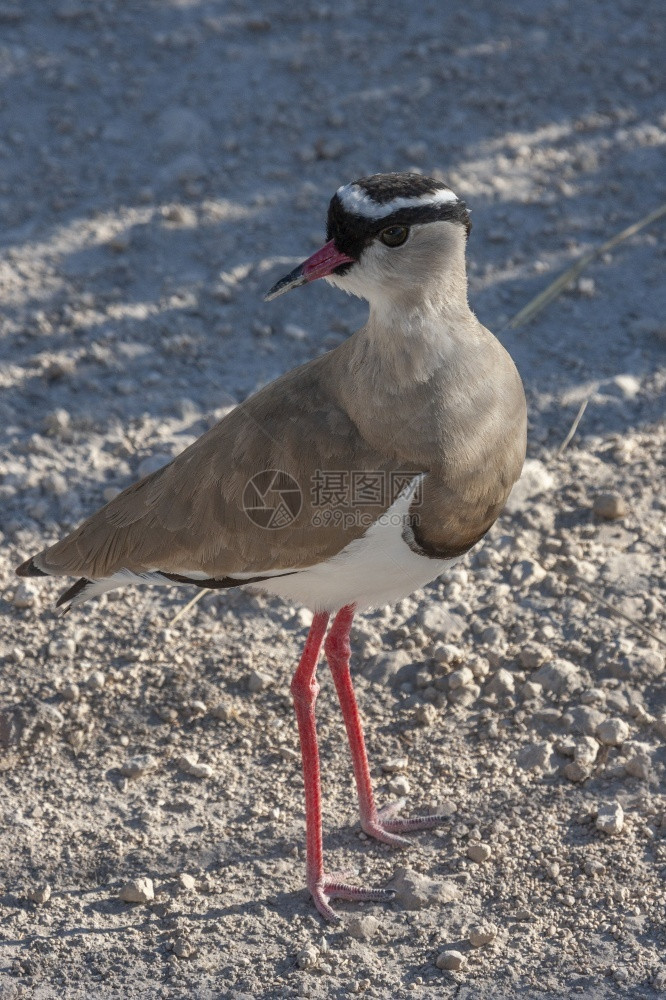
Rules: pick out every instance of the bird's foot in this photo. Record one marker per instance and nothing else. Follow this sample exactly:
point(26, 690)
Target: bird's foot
point(333, 887)
point(387, 826)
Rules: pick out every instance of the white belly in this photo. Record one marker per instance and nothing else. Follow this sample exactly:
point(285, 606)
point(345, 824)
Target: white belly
point(378, 568)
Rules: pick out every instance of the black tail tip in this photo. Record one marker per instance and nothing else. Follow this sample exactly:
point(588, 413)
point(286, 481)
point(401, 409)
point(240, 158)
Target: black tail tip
point(71, 592)
point(28, 568)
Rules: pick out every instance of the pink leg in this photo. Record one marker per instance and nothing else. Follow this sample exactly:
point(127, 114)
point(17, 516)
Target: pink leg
point(304, 689)
point(376, 823)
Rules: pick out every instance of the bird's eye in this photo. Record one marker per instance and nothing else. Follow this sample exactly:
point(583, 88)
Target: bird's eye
point(394, 236)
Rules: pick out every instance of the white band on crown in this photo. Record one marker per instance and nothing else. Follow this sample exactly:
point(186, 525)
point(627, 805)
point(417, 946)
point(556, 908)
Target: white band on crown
point(357, 202)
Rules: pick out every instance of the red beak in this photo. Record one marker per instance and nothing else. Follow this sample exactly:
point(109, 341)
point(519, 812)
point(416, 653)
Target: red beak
point(321, 263)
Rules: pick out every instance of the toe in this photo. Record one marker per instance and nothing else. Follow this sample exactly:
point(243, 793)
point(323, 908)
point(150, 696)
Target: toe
point(329, 888)
point(387, 825)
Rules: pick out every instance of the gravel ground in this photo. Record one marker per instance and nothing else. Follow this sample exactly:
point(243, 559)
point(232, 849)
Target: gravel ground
point(162, 163)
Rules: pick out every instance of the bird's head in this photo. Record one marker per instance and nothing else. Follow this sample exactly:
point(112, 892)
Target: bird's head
point(387, 235)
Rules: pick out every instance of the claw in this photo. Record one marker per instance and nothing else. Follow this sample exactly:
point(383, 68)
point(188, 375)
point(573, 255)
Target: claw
point(385, 826)
point(329, 888)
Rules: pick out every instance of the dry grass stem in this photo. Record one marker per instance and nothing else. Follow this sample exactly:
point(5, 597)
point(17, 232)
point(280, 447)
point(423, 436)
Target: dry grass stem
point(188, 607)
point(574, 426)
point(556, 288)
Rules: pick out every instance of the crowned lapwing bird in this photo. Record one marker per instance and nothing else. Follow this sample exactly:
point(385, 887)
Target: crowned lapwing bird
point(347, 483)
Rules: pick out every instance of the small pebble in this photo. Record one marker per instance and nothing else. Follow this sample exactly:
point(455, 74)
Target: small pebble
point(418, 892)
point(533, 655)
point(363, 928)
point(62, 647)
point(536, 756)
point(462, 677)
point(609, 506)
point(530, 690)
point(446, 652)
point(96, 680)
point(307, 958)
point(526, 573)
point(479, 853)
point(610, 818)
point(139, 890)
point(182, 947)
point(502, 683)
point(399, 785)
point(188, 763)
point(140, 764)
point(639, 765)
point(426, 714)
point(559, 676)
point(583, 719)
point(57, 422)
point(303, 618)
point(258, 681)
point(575, 771)
point(40, 893)
point(186, 882)
point(613, 732)
point(71, 692)
point(451, 960)
point(395, 765)
point(24, 595)
point(482, 934)
point(586, 750)
point(295, 332)
point(586, 287)
point(594, 868)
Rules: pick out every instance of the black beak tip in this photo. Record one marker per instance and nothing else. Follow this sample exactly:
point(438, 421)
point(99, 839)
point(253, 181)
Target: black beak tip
point(291, 280)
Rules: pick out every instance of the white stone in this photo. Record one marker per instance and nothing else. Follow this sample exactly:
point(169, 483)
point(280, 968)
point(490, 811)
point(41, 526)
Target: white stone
point(536, 756)
point(188, 763)
point(139, 890)
point(479, 853)
point(138, 765)
point(610, 818)
point(586, 750)
point(526, 573)
point(462, 677)
point(24, 595)
point(451, 960)
point(258, 681)
point(399, 785)
point(40, 893)
point(482, 934)
point(558, 676)
point(613, 732)
point(418, 892)
point(307, 958)
point(502, 683)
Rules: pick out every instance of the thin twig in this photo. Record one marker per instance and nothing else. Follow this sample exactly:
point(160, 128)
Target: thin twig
point(553, 290)
point(190, 604)
point(574, 426)
point(616, 611)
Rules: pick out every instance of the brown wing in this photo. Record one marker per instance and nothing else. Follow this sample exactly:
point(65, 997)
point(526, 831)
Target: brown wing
point(203, 512)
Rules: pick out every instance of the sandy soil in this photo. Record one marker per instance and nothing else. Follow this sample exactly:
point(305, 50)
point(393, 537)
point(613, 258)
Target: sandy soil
point(162, 164)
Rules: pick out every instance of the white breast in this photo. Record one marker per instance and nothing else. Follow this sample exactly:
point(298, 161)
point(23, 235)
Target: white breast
point(378, 568)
